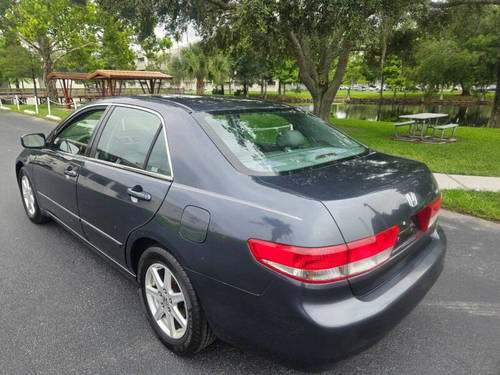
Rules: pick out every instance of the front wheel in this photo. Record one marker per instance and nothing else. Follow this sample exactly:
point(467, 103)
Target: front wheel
point(30, 202)
point(172, 306)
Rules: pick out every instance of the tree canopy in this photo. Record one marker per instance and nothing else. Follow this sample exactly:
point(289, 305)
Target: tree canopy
point(68, 35)
point(319, 34)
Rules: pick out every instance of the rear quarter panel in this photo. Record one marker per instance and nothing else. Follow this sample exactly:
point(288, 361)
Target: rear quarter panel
point(240, 207)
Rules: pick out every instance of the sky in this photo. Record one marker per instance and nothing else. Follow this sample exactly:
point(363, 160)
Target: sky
point(188, 37)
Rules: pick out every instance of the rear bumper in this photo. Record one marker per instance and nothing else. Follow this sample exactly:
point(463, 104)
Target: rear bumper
point(315, 324)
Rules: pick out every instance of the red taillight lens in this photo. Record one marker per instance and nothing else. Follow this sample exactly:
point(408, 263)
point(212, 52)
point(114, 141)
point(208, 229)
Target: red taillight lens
point(427, 216)
point(326, 264)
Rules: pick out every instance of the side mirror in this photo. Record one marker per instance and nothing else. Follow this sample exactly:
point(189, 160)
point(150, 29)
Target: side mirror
point(36, 140)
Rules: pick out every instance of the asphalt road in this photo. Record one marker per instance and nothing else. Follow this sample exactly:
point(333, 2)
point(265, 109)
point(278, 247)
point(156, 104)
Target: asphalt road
point(64, 310)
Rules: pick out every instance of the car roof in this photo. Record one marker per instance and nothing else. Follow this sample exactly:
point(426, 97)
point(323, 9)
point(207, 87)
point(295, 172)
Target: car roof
point(199, 103)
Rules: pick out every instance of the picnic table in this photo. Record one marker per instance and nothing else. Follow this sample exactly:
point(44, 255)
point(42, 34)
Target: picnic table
point(422, 122)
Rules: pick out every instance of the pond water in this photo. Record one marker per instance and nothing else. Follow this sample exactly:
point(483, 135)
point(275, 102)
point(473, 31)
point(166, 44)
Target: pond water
point(464, 115)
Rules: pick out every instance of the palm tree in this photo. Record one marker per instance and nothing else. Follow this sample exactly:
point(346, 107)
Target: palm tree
point(220, 69)
point(192, 63)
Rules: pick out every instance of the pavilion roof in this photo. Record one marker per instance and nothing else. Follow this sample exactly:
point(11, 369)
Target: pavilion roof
point(69, 75)
point(127, 75)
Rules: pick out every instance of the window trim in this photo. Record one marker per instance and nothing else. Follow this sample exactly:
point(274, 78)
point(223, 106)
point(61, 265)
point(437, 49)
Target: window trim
point(71, 120)
point(95, 139)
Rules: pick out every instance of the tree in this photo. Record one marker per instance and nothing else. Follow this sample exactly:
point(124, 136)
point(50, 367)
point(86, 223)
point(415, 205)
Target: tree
point(473, 27)
point(155, 50)
point(53, 29)
point(193, 63)
point(219, 68)
point(354, 72)
point(112, 49)
point(442, 63)
point(16, 63)
point(394, 75)
point(486, 44)
point(319, 33)
point(248, 69)
point(286, 72)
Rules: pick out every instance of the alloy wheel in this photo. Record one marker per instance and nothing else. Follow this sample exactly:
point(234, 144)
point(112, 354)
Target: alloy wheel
point(166, 301)
point(28, 196)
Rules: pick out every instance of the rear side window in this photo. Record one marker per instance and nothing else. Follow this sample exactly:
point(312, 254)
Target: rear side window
point(158, 160)
point(75, 137)
point(127, 137)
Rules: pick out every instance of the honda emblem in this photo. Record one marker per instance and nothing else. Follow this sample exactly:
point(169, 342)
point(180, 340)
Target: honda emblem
point(412, 199)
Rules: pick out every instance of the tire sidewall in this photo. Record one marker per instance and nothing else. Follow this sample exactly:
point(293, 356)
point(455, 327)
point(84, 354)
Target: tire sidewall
point(159, 255)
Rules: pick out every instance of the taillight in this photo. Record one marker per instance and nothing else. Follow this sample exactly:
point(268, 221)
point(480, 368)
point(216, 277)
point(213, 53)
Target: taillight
point(428, 216)
point(326, 264)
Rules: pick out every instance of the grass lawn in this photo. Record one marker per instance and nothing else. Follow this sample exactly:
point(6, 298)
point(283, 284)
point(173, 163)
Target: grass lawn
point(375, 94)
point(478, 203)
point(42, 111)
point(477, 151)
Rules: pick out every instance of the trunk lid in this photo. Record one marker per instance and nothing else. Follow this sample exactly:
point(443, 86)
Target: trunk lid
point(365, 196)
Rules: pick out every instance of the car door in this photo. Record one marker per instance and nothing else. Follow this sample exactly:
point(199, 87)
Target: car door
point(56, 169)
point(123, 184)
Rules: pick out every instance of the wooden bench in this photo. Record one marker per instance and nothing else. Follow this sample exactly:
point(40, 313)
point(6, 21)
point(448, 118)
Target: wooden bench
point(398, 124)
point(442, 128)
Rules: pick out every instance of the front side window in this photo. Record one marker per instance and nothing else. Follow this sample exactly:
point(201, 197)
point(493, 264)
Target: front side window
point(278, 141)
point(127, 137)
point(74, 138)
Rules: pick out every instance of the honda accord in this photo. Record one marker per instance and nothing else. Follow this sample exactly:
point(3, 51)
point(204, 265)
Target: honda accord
point(250, 221)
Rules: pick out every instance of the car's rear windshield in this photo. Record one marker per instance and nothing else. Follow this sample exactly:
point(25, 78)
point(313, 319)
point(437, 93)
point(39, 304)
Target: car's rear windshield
point(277, 141)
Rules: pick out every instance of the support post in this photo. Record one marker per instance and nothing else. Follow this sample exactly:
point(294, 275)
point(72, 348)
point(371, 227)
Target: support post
point(49, 115)
point(17, 103)
point(65, 93)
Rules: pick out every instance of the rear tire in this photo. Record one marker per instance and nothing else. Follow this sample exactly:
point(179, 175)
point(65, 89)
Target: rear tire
point(28, 197)
point(172, 306)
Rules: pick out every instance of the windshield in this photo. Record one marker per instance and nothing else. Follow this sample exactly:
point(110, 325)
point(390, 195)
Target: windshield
point(278, 141)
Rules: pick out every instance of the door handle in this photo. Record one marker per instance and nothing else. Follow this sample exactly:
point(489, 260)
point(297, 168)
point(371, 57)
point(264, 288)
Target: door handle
point(138, 193)
point(69, 171)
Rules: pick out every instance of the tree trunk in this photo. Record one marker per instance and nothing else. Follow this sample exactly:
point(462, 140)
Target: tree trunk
point(323, 94)
point(385, 35)
point(279, 88)
point(379, 111)
point(261, 87)
point(316, 77)
point(200, 86)
point(284, 90)
point(465, 90)
point(348, 97)
point(47, 68)
point(494, 121)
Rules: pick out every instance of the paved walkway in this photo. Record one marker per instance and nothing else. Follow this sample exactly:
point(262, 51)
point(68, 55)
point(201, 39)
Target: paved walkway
point(456, 181)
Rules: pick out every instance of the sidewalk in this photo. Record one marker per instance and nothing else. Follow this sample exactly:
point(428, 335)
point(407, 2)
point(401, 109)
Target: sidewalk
point(456, 181)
